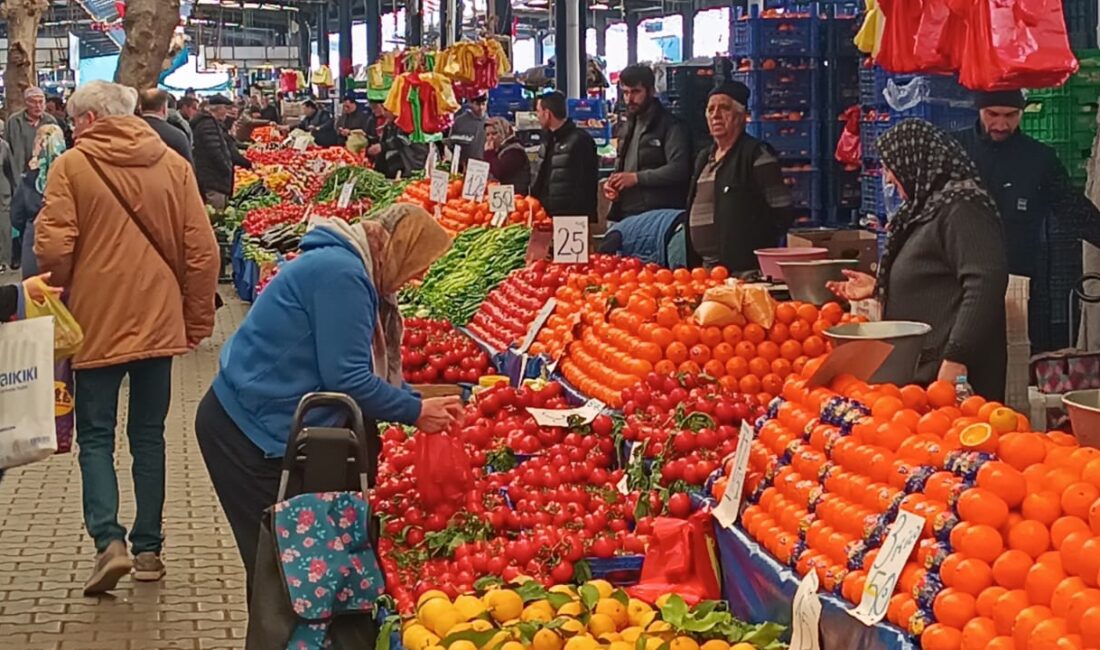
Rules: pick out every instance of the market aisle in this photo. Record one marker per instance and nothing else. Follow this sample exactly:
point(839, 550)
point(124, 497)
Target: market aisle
point(45, 556)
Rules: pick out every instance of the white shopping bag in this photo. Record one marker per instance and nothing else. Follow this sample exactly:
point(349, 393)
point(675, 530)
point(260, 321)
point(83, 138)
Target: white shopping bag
point(27, 428)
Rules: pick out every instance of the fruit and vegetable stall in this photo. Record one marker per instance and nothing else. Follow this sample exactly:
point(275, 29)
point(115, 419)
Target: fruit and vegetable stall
point(655, 459)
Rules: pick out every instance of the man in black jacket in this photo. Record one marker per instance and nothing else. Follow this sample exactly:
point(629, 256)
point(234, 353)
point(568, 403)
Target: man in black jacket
point(319, 122)
point(568, 166)
point(737, 201)
point(654, 163)
point(154, 110)
point(395, 153)
point(354, 118)
point(214, 152)
point(1044, 216)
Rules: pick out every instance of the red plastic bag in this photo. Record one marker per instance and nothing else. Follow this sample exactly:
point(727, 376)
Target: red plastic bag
point(680, 560)
point(941, 35)
point(896, 52)
point(848, 147)
point(1016, 44)
point(441, 470)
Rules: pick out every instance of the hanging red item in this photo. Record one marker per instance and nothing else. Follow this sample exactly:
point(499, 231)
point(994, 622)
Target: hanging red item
point(442, 470)
point(1016, 44)
point(849, 147)
point(680, 560)
point(896, 52)
point(940, 38)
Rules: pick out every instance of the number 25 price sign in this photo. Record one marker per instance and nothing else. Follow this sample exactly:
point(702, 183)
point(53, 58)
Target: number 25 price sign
point(571, 240)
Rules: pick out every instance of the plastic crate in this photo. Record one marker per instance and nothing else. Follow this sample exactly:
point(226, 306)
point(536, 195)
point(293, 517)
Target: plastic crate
point(805, 188)
point(506, 92)
point(793, 88)
point(509, 106)
point(844, 30)
point(792, 140)
point(848, 188)
point(689, 79)
point(846, 83)
point(869, 133)
point(795, 35)
point(1052, 119)
point(621, 571)
point(586, 109)
point(942, 89)
point(1081, 19)
point(1075, 155)
point(872, 201)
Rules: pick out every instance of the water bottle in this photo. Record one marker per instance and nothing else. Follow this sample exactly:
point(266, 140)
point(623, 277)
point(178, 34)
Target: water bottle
point(962, 389)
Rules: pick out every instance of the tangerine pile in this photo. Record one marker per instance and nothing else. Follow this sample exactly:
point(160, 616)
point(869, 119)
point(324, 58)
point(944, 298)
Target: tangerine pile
point(613, 329)
point(1010, 555)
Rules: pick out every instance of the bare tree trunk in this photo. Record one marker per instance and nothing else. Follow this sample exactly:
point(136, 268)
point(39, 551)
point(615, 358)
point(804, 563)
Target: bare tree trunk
point(22, 17)
point(149, 26)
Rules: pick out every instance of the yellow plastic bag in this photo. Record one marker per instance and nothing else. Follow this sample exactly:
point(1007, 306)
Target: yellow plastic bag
point(357, 141)
point(67, 334)
point(870, 34)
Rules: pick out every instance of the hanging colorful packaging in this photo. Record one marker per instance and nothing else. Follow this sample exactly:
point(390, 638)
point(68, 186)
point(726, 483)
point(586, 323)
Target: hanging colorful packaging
point(941, 35)
point(867, 39)
point(1016, 44)
point(902, 18)
point(849, 146)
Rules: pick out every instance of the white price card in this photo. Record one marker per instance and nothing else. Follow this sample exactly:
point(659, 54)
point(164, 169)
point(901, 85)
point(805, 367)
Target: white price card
point(430, 160)
point(456, 153)
point(477, 178)
point(884, 573)
point(345, 194)
point(726, 510)
point(438, 191)
point(806, 615)
point(637, 450)
point(571, 240)
point(536, 325)
point(502, 202)
point(584, 413)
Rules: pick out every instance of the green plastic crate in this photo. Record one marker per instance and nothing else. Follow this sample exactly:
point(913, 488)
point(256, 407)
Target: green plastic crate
point(1052, 119)
point(1075, 155)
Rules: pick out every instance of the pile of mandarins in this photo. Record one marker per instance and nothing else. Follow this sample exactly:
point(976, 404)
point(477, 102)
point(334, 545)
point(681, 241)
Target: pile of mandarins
point(1010, 556)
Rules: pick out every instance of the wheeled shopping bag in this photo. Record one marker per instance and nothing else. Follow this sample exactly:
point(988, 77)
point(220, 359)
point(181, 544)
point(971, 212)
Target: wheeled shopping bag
point(317, 577)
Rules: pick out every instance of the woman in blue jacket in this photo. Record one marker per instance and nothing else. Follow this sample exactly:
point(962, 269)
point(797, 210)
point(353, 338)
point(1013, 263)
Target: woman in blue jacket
point(327, 322)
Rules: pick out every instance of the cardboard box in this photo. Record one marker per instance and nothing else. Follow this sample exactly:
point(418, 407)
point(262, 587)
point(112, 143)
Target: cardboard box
point(859, 245)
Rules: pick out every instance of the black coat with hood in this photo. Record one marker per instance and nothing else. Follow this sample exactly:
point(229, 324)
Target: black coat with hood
point(213, 156)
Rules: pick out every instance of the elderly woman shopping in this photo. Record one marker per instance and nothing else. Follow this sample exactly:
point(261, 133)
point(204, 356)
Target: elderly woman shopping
point(327, 322)
point(508, 162)
point(27, 201)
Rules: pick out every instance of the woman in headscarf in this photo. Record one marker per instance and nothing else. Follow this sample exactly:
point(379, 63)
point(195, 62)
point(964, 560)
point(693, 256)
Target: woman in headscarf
point(327, 322)
point(944, 262)
point(508, 161)
point(49, 144)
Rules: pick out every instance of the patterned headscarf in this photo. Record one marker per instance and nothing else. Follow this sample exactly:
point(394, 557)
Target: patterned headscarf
point(50, 143)
point(934, 171)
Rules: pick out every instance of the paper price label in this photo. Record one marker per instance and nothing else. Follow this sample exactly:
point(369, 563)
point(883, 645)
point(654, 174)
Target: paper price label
point(345, 194)
point(583, 414)
point(883, 576)
point(477, 178)
point(438, 191)
point(318, 165)
point(571, 240)
point(502, 198)
point(455, 155)
point(430, 160)
point(806, 615)
point(637, 450)
point(536, 325)
point(301, 144)
point(726, 510)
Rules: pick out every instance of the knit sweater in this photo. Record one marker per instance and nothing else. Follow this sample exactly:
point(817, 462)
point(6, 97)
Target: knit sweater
point(952, 274)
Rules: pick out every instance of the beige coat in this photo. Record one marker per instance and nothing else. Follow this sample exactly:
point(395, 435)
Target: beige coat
point(127, 299)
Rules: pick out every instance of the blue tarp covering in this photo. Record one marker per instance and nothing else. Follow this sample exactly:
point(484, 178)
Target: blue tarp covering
point(246, 273)
point(760, 589)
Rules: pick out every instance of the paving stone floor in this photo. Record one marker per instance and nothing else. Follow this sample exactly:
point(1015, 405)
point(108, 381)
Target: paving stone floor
point(45, 555)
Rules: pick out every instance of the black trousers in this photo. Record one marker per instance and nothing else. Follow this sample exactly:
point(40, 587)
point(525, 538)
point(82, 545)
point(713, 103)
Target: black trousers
point(245, 481)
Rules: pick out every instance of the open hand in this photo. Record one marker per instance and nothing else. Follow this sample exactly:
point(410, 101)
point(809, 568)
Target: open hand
point(437, 414)
point(858, 286)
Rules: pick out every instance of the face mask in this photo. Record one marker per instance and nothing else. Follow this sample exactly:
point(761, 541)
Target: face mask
point(891, 198)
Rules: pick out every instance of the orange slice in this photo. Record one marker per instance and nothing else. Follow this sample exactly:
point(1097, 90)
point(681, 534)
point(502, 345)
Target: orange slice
point(979, 437)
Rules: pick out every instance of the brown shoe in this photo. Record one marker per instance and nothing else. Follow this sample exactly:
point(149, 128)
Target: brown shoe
point(148, 567)
point(110, 566)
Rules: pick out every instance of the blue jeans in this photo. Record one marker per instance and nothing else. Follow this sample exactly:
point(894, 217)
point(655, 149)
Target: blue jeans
point(96, 401)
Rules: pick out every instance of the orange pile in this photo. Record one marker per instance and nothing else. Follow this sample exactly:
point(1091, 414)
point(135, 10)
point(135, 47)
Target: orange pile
point(459, 214)
point(1010, 557)
point(649, 328)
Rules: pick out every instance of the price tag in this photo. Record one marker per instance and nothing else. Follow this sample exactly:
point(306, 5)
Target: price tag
point(536, 325)
point(318, 165)
point(438, 192)
point(883, 576)
point(636, 452)
point(727, 509)
point(806, 615)
point(301, 143)
point(457, 153)
point(430, 161)
point(502, 202)
point(571, 240)
point(477, 178)
point(345, 194)
point(560, 417)
point(297, 194)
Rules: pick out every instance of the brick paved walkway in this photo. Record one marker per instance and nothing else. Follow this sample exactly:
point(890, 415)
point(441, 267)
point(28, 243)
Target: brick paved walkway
point(45, 555)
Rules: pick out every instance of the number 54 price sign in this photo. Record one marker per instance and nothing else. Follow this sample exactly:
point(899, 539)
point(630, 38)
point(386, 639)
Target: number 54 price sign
point(571, 240)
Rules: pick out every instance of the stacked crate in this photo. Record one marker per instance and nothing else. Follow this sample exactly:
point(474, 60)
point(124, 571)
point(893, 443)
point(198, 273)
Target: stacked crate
point(1081, 18)
point(686, 90)
point(507, 99)
point(795, 66)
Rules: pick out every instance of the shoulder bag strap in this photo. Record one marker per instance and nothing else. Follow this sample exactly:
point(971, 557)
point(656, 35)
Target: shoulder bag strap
point(134, 217)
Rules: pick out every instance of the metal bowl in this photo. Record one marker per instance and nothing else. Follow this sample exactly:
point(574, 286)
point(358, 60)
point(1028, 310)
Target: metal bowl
point(806, 280)
point(1083, 407)
point(769, 258)
point(907, 337)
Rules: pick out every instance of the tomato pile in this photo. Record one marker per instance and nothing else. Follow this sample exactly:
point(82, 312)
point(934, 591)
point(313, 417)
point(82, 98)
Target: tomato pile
point(435, 352)
point(260, 220)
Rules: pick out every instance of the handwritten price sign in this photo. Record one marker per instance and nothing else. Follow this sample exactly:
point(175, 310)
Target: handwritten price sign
point(502, 201)
point(477, 178)
point(726, 510)
point(884, 573)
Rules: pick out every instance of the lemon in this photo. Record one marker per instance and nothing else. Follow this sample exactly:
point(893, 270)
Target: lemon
point(461, 627)
point(512, 645)
point(498, 639)
point(442, 624)
point(546, 640)
point(421, 639)
point(480, 625)
point(431, 594)
point(615, 610)
point(538, 611)
point(660, 629)
point(610, 637)
point(568, 590)
point(572, 626)
point(1003, 420)
point(621, 645)
point(570, 609)
point(653, 643)
point(581, 643)
point(462, 645)
point(436, 647)
point(743, 646)
point(631, 634)
point(663, 600)
point(635, 609)
point(602, 586)
point(683, 643)
point(601, 624)
point(433, 609)
point(469, 606)
point(715, 644)
point(503, 604)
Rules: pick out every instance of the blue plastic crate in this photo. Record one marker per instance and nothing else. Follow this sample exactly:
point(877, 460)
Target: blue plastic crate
point(869, 132)
point(510, 106)
point(948, 118)
point(506, 92)
point(796, 35)
point(789, 88)
point(849, 190)
point(792, 140)
point(621, 570)
point(942, 89)
point(872, 201)
point(805, 188)
point(586, 109)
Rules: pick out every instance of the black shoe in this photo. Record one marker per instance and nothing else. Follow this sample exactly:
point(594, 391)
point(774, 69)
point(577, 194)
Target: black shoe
point(15, 266)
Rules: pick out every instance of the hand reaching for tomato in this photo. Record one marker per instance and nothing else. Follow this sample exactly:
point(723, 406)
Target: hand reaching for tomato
point(437, 413)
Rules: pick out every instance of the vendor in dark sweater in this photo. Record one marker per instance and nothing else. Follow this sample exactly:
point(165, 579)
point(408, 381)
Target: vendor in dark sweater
point(354, 118)
point(944, 262)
